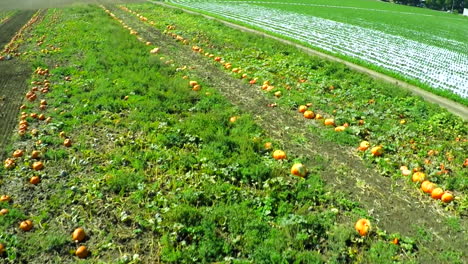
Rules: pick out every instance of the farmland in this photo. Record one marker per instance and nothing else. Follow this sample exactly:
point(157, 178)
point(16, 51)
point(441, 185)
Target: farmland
point(156, 136)
point(372, 34)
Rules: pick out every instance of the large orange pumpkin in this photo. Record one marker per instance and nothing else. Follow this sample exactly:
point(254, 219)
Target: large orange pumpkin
point(363, 226)
point(279, 155)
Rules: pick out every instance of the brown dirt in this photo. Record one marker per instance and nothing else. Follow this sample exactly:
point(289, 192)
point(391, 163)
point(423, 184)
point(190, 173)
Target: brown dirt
point(395, 206)
point(13, 76)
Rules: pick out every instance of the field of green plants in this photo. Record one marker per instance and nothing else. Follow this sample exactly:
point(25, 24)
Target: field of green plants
point(424, 47)
point(157, 133)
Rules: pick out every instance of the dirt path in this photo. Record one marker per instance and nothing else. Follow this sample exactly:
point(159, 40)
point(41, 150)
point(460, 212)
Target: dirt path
point(451, 106)
point(13, 76)
point(404, 210)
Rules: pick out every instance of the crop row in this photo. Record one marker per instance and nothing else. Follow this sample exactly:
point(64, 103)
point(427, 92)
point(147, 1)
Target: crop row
point(358, 110)
point(434, 66)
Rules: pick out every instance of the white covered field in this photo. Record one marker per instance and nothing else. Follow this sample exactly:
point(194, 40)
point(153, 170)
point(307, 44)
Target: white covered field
point(435, 66)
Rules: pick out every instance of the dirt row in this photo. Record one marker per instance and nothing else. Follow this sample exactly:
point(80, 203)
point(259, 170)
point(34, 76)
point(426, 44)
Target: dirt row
point(13, 76)
point(402, 211)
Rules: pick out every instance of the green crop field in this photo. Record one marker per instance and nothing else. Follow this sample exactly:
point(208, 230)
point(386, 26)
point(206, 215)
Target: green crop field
point(139, 133)
point(425, 47)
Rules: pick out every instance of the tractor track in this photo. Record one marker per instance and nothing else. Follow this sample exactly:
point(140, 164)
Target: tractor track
point(395, 206)
point(13, 76)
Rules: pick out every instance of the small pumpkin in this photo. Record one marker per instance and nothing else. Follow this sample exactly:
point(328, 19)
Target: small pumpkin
point(309, 114)
point(35, 154)
point(82, 252)
point(38, 165)
point(34, 180)
point(427, 186)
point(363, 226)
point(340, 128)
point(18, 153)
point(268, 145)
point(329, 122)
point(2, 249)
point(4, 211)
point(364, 145)
point(302, 108)
point(78, 234)
point(437, 193)
point(279, 155)
point(9, 163)
point(447, 197)
point(233, 119)
point(299, 169)
point(193, 83)
point(5, 198)
point(67, 142)
point(377, 151)
point(196, 87)
point(418, 176)
point(26, 225)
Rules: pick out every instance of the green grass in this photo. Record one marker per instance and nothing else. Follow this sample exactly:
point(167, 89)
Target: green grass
point(163, 174)
point(450, 34)
point(354, 97)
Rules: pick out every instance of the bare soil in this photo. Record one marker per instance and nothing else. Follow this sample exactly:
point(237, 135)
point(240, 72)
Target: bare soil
point(395, 206)
point(13, 76)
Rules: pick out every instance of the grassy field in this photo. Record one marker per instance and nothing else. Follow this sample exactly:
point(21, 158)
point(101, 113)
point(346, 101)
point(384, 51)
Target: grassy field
point(160, 173)
point(365, 32)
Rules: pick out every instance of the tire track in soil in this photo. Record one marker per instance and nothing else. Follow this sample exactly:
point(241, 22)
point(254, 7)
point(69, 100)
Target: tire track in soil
point(402, 211)
point(13, 76)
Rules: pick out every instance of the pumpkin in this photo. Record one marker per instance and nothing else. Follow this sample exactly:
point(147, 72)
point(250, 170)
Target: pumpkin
point(4, 211)
point(427, 186)
point(38, 165)
point(309, 114)
point(302, 108)
point(329, 122)
point(9, 163)
point(34, 180)
point(363, 226)
point(298, 170)
point(418, 176)
point(268, 145)
point(41, 117)
point(447, 197)
point(18, 153)
point(278, 94)
point(196, 87)
point(155, 50)
point(437, 193)
point(279, 155)
point(193, 83)
point(82, 252)
point(364, 145)
point(78, 235)
point(377, 151)
point(2, 249)
point(62, 134)
point(233, 119)
point(340, 128)
point(26, 225)
point(406, 172)
point(67, 142)
point(35, 154)
point(318, 116)
point(5, 198)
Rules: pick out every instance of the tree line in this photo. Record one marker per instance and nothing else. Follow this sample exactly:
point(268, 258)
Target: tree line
point(444, 5)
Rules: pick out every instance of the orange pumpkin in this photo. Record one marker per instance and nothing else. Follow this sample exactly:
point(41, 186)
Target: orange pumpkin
point(34, 180)
point(67, 142)
point(82, 252)
point(377, 151)
point(9, 163)
point(4, 211)
point(427, 186)
point(309, 114)
point(437, 193)
point(78, 235)
point(26, 225)
point(364, 145)
point(38, 165)
point(340, 128)
point(35, 154)
point(196, 87)
point(419, 176)
point(18, 153)
point(447, 197)
point(329, 122)
point(5, 198)
point(193, 83)
point(268, 145)
point(318, 116)
point(302, 108)
point(363, 226)
point(279, 155)
point(2, 249)
point(233, 119)
point(298, 170)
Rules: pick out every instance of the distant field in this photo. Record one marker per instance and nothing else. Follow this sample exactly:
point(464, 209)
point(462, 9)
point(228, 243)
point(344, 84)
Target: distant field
point(419, 44)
